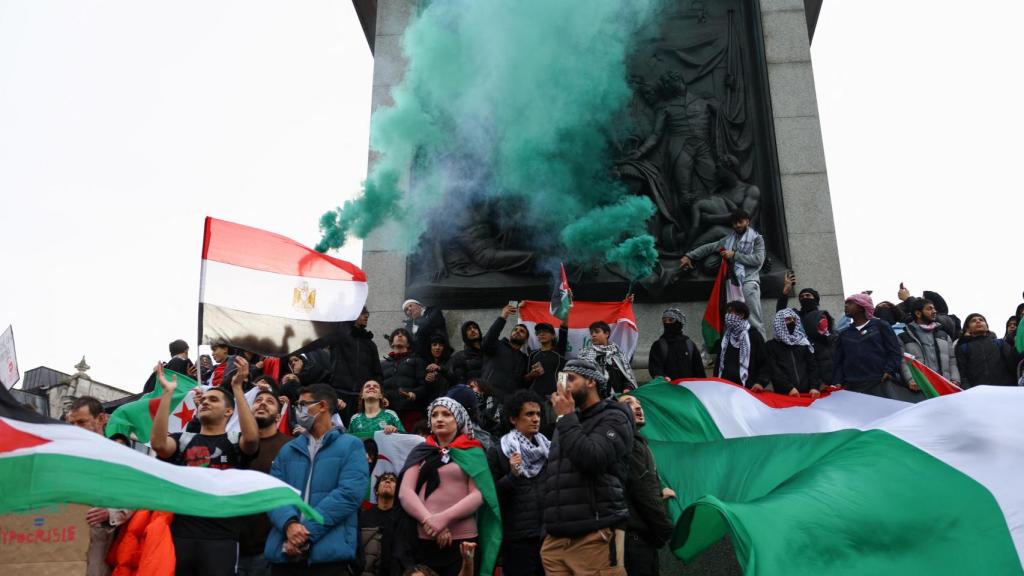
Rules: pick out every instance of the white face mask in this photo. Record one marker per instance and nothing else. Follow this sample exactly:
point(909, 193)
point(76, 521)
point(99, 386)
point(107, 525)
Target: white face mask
point(304, 418)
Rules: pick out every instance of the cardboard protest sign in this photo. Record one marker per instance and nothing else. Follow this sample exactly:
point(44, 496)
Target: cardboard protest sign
point(50, 541)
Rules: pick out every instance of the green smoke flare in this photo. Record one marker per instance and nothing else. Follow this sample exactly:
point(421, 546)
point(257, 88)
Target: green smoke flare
point(509, 99)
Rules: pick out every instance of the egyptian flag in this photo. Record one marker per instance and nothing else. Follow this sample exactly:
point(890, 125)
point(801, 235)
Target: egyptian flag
point(857, 484)
point(270, 295)
point(711, 326)
point(931, 382)
point(561, 299)
point(468, 454)
point(45, 462)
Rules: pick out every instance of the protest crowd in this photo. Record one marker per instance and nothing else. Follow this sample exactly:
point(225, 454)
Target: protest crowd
point(567, 462)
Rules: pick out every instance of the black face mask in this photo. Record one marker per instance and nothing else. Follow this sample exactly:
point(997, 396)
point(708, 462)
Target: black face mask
point(791, 327)
point(673, 329)
point(886, 313)
point(808, 305)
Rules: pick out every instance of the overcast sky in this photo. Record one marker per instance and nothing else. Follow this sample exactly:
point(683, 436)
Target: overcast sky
point(124, 122)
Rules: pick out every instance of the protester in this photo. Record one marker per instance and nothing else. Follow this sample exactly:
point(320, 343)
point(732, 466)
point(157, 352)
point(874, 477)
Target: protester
point(867, 356)
point(505, 360)
point(404, 383)
point(423, 323)
point(983, 357)
point(743, 357)
point(206, 367)
point(819, 325)
point(891, 314)
point(224, 367)
point(488, 407)
point(546, 361)
point(354, 359)
point(469, 399)
point(266, 409)
point(927, 341)
point(468, 362)
point(87, 413)
point(329, 468)
point(438, 494)
point(673, 355)
point(377, 527)
point(179, 362)
point(609, 359)
point(307, 369)
point(518, 463)
point(792, 357)
point(437, 377)
point(207, 546)
point(588, 463)
point(648, 527)
point(744, 252)
point(373, 414)
point(1010, 335)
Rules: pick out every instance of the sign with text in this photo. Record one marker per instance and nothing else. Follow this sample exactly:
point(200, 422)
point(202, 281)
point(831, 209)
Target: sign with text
point(44, 541)
point(9, 375)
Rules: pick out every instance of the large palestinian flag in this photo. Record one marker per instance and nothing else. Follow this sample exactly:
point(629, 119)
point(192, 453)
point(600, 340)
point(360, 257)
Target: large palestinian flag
point(847, 484)
point(44, 462)
point(269, 294)
point(618, 315)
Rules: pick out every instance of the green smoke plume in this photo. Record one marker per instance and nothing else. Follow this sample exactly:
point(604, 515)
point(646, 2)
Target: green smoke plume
point(510, 99)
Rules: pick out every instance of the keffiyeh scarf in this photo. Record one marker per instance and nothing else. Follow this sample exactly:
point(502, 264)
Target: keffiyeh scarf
point(743, 245)
point(534, 455)
point(608, 354)
point(737, 334)
point(796, 338)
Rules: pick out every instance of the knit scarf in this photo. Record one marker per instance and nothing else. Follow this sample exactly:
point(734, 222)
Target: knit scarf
point(743, 245)
point(798, 337)
point(534, 455)
point(737, 334)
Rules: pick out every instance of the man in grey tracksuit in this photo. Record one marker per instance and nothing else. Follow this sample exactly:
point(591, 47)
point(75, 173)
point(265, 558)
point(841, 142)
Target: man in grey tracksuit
point(744, 250)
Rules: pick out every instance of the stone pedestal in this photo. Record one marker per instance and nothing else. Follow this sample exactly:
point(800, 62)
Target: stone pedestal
point(801, 164)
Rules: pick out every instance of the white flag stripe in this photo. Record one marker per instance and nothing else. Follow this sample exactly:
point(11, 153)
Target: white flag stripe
point(979, 432)
point(271, 294)
point(738, 414)
point(69, 440)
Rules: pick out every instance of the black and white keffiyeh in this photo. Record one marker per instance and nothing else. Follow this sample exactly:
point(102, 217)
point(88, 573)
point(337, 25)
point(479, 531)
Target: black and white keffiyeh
point(798, 337)
point(534, 455)
point(737, 334)
point(461, 416)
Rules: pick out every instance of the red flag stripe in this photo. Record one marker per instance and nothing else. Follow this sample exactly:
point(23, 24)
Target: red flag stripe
point(12, 439)
point(257, 249)
point(583, 313)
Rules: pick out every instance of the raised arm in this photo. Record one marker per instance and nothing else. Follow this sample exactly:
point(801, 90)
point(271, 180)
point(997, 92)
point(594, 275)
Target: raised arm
point(249, 442)
point(162, 444)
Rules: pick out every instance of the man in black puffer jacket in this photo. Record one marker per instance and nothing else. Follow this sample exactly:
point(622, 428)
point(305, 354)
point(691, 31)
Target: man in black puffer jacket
point(585, 503)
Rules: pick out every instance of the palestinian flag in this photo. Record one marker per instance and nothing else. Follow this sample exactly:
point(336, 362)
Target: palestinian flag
point(711, 326)
point(846, 484)
point(269, 294)
point(137, 417)
point(618, 315)
point(931, 382)
point(561, 300)
point(469, 454)
point(45, 462)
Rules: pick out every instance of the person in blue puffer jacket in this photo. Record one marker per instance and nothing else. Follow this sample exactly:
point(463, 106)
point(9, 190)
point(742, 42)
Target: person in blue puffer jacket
point(329, 468)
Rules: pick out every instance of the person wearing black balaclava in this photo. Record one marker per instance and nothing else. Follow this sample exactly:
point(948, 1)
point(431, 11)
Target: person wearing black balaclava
point(674, 355)
point(818, 324)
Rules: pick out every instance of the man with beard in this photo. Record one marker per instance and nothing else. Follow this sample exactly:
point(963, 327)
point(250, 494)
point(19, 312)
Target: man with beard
point(648, 527)
point(674, 355)
point(927, 341)
point(818, 324)
point(505, 361)
point(468, 362)
point(588, 464)
point(744, 251)
point(377, 527)
point(266, 408)
point(207, 546)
